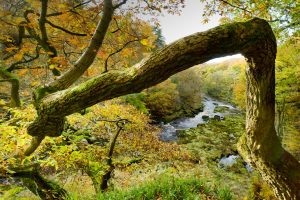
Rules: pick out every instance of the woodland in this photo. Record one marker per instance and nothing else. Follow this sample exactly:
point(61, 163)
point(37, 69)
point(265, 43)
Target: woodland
point(95, 105)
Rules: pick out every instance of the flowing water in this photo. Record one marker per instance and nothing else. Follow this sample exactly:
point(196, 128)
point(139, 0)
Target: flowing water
point(169, 130)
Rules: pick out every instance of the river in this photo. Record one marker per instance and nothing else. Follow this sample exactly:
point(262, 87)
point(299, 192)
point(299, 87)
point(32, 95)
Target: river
point(168, 133)
point(169, 130)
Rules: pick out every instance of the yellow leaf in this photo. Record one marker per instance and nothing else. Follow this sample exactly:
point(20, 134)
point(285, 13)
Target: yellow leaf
point(52, 66)
point(18, 56)
point(10, 49)
point(144, 42)
point(34, 83)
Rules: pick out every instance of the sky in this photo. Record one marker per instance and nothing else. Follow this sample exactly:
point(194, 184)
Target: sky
point(175, 27)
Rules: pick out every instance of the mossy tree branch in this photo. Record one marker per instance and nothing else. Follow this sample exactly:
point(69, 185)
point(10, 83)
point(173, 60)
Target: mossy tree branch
point(36, 183)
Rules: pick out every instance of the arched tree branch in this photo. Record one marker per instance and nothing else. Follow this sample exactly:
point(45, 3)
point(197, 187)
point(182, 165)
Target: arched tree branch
point(254, 39)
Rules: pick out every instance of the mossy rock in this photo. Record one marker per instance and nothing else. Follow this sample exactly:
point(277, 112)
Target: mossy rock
point(205, 118)
point(212, 140)
point(221, 109)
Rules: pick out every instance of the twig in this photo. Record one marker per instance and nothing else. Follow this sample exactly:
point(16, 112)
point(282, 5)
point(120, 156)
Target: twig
point(65, 30)
point(71, 10)
point(120, 4)
point(234, 6)
point(119, 50)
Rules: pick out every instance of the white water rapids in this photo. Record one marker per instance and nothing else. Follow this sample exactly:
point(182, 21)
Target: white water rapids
point(168, 132)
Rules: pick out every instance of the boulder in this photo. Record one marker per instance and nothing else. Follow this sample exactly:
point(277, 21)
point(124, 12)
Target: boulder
point(221, 109)
point(217, 117)
point(205, 118)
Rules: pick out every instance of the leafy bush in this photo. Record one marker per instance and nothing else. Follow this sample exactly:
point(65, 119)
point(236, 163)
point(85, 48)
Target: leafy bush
point(163, 100)
point(137, 100)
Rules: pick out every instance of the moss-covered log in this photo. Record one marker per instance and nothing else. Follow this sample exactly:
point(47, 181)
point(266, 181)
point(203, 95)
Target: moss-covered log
point(36, 183)
point(254, 39)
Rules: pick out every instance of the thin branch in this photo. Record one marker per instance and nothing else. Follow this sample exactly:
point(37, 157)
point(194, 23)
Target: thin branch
point(234, 6)
point(64, 30)
point(118, 122)
point(68, 54)
point(42, 20)
point(21, 30)
point(28, 67)
point(119, 50)
point(118, 27)
point(34, 144)
point(7, 80)
point(120, 4)
point(151, 6)
point(291, 25)
point(26, 13)
point(41, 41)
point(29, 29)
point(71, 10)
point(107, 175)
point(14, 65)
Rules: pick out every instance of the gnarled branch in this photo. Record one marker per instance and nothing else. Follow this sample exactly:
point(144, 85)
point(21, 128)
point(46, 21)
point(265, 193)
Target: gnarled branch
point(254, 39)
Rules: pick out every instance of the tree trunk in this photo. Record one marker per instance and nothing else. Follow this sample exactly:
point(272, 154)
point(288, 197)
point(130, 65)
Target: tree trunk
point(43, 188)
point(254, 39)
point(278, 167)
point(14, 92)
point(280, 118)
point(100, 182)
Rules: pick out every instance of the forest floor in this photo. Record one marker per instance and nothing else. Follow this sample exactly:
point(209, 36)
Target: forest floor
point(207, 143)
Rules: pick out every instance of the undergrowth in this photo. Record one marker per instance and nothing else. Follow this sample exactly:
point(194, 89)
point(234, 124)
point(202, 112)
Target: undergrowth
point(169, 188)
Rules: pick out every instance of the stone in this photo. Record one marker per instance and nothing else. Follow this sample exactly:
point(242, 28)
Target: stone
point(205, 118)
point(217, 117)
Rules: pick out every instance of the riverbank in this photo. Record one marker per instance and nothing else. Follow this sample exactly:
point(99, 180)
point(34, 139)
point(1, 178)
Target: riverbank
point(211, 137)
point(212, 141)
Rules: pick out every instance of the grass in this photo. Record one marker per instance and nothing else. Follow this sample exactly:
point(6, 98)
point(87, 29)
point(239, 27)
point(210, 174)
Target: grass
point(168, 188)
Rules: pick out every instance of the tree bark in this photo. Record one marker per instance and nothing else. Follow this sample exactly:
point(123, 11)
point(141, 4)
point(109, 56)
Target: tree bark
point(100, 182)
point(280, 118)
point(277, 166)
point(14, 92)
point(36, 183)
point(87, 58)
point(254, 39)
